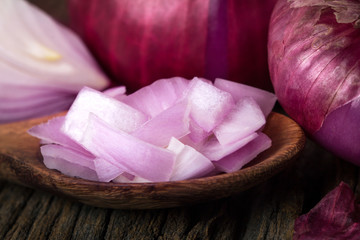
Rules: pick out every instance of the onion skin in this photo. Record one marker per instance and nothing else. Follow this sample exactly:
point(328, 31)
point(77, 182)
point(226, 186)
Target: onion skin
point(314, 49)
point(138, 41)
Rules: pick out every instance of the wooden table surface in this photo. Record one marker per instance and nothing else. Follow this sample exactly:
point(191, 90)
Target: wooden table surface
point(267, 211)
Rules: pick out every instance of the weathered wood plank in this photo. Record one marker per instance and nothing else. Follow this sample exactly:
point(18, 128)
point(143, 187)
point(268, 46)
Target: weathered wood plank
point(64, 225)
point(46, 218)
point(35, 205)
point(91, 223)
point(144, 224)
point(13, 198)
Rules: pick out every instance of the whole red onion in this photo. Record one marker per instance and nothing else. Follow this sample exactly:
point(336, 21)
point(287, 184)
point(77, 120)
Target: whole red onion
point(140, 41)
point(314, 59)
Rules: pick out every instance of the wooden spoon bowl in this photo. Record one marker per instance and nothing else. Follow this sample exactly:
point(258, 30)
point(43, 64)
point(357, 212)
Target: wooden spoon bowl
point(21, 162)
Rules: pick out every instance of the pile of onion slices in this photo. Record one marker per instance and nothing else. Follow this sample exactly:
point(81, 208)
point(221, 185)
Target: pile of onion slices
point(173, 129)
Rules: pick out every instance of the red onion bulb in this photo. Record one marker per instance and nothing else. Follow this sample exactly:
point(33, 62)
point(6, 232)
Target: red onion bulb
point(314, 49)
point(138, 42)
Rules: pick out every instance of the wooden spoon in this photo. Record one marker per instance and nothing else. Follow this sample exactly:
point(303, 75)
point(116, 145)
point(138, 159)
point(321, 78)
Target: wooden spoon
point(21, 162)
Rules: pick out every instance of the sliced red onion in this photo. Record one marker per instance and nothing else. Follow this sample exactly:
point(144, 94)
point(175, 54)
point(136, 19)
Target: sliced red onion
point(244, 155)
point(197, 134)
point(158, 96)
point(40, 57)
point(9, 100)
point(68, 161)
point(128, 178)
point(127, 152)
point(19, 113)
point(173, 122)
point(209, 105)
point(50, 132)
point(112, 111)
point(215, 151)
point(118, 92)
point(189, 163)
point(266, 100)
point(244, 119)
point(106, 171)
point(122, 144)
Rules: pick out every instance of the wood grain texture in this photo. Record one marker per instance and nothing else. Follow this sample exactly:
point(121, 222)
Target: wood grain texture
point(21, 162)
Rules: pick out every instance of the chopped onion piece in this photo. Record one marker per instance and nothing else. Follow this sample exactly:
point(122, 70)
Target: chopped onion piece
point(209, 105)
point(244, 119)
point(119, 92)
point(197, 134)
point(158, 96)
point(50, 132)
point(69, 161)
point(215, 151)
point(128, 178)
point(189, 163)
point(105, 170)
point(113, 112)
point(265, 99)
point(192, 129)
point(127, 152)
point(172, 122)
point(244, 155)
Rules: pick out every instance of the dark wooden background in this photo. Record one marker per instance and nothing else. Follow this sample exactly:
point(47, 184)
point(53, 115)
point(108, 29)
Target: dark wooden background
point(267, 211)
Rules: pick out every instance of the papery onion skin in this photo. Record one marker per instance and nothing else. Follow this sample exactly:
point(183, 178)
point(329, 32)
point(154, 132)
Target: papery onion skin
point(138, 42)
point(314, 49)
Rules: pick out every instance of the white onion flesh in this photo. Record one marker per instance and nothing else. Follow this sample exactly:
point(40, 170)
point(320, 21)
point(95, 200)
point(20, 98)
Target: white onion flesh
point(112, 111)
point(189, 163)
point(43, 64)
point(244, 155)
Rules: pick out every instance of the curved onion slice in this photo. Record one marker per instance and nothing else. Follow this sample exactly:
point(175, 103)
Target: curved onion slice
point(106, 171)
point(189, 163)
point(158, 96)
point(179, 129)
point(244, 155)
point(127, 152)
point(266, 100)
point(42, 63)
point(172, 122)
point(215, 151)
point(50, 132)
point(118, 92)
point(209, 105)
point(69, 161)
point(245, 118)
point(113, 112)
